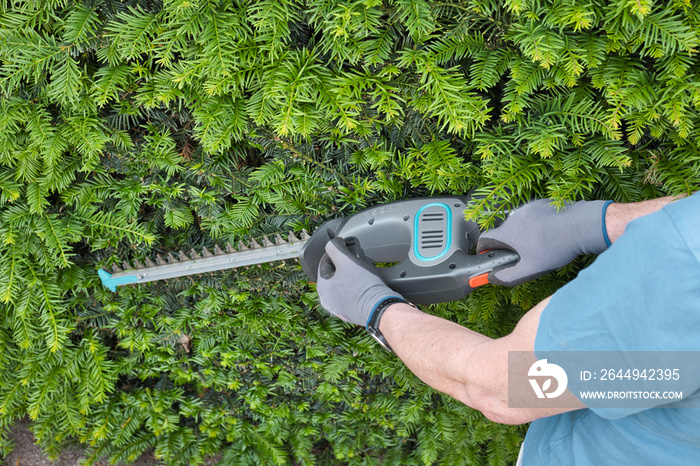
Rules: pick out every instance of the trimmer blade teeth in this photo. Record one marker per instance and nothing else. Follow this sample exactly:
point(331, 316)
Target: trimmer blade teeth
point(305, 235)
point(265, 249)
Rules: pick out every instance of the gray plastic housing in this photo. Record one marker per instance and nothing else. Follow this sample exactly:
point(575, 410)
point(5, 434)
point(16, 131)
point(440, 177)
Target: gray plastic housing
point(428, 239)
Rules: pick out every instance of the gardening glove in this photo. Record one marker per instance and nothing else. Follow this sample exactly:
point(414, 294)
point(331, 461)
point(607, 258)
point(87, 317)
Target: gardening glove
point(349, 287)
point(546, 239)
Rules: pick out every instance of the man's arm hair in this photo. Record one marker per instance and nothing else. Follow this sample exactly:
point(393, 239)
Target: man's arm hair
point(466, 365)
point(618, 215)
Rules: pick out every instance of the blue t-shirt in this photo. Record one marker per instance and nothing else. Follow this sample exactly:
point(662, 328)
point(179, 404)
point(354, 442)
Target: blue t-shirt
point(642, 294)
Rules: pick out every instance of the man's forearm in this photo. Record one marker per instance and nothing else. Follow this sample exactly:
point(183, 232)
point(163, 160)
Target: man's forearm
point(617, 216)
point(466, 365)
point(434, 349)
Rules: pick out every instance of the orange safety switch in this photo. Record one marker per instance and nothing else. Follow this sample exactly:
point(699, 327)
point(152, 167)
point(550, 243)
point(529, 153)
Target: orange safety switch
point(478, 280)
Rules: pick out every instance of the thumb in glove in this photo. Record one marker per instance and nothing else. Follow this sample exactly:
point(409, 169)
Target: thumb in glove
point(350, 287)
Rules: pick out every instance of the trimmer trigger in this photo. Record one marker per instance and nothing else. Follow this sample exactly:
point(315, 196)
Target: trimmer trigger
point(478, 280)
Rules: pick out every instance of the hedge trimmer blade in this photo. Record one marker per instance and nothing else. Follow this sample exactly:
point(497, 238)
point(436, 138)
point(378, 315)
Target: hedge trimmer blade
point(194, 262)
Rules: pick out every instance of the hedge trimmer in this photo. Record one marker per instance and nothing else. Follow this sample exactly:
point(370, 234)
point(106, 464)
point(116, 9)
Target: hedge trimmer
point(427, 240)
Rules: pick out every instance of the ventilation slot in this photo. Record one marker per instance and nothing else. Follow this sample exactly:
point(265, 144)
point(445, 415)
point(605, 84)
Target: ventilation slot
point(433, 217)
point(431, 239)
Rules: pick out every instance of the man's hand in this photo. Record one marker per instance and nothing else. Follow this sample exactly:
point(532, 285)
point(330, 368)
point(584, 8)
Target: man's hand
point(350, 288)
point(545, 238)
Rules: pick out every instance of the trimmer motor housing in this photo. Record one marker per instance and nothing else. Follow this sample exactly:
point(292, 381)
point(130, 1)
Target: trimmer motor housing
point(428, 240)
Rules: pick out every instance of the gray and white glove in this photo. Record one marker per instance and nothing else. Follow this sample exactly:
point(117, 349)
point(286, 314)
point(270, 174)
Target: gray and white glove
point(546, 239)
point(349, 287)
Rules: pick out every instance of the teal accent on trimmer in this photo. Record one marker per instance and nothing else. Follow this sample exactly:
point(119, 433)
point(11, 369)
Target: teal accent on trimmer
point(416, 230)
point(112, 283)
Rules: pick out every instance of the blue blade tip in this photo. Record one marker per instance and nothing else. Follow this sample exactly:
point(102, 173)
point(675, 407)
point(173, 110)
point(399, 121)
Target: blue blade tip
point(107, 281)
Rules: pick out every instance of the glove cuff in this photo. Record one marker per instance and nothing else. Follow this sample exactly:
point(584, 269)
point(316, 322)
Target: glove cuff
point(592, 233)
point(376, 315)
point(373, 298)
point(605, 229)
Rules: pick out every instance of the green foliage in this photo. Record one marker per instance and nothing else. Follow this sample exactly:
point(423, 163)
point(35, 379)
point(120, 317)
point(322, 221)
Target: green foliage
point(138, 127)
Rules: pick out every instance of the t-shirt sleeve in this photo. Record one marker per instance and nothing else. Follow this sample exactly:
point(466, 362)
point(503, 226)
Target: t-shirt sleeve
point(642, 294)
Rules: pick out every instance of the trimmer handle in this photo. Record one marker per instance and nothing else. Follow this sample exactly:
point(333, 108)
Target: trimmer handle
point(428, 241)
